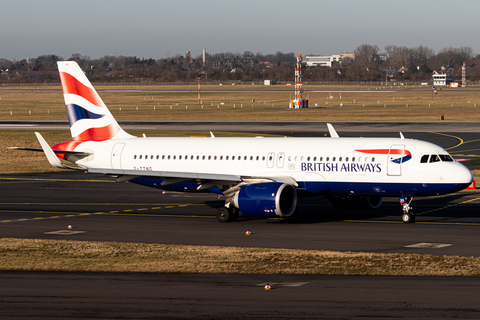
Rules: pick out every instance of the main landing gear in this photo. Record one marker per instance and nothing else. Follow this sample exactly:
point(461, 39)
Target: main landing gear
point(226, 214)
point(407, 216)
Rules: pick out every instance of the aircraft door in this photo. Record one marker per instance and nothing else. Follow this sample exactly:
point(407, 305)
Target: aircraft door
point(280, 159)
point(394, 160)
point(270, 160)
point(116, 155)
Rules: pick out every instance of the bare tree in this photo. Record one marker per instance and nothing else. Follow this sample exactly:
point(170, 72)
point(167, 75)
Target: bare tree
point(366, 54)
point(398, 56)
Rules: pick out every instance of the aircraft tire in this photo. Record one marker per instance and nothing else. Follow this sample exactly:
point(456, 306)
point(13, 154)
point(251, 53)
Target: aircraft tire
point(408, 218)
point(223, 214)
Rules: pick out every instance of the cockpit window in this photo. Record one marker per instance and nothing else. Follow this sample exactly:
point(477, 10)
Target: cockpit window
point(434, 158)
point(446, 157)
point(424, 158)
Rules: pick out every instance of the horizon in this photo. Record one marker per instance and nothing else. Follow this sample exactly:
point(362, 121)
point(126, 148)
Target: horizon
point(149, 29)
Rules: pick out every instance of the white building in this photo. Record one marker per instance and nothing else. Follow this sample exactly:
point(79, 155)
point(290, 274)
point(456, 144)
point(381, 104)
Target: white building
point(326, 61)
point(442, 79)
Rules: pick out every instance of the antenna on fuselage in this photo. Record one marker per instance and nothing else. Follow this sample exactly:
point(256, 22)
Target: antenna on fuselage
point(401, 136)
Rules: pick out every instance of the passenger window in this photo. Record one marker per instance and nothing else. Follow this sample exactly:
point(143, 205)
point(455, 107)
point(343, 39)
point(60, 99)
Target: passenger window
point(340, 159)
point(289, 158)
point(353, 159)
point(308, 158)
point(327, 158)
point(135, 157)
point(203, 157)
point(346, 159)
point(245, 158)
point(140, 157)
point(158, 157)
point(209, 157)
point(314, 158)
point(271, 158)
point(146, 157)
point(263, 158)
point(373, 159)
point(186, 157)
point(151, 157)
point(221, 157)
point(179, 157)
point(174, 157)
point(258, 158)
point(251, 157)
point(198, 157)
point(191, 157)
point(434, 158)
point(333, 159)
point(168, 157)
point(163, 157)
point(226, 158)
point(321, 159)
point(215, 158)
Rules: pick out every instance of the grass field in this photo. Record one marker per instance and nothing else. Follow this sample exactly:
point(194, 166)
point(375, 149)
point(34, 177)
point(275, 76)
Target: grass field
point(85, 256)
point(369, 104)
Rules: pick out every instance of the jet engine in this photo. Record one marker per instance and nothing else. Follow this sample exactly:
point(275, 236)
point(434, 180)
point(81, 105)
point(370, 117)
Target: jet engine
point(270, 199)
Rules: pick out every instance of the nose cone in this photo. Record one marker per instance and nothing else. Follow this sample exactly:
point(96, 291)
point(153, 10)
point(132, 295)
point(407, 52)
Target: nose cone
point(462, 176)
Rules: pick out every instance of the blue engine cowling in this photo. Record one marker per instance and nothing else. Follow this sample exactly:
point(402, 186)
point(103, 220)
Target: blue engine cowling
point(270, 199)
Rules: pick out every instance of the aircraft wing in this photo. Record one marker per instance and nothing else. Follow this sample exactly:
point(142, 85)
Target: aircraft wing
point(226, 182)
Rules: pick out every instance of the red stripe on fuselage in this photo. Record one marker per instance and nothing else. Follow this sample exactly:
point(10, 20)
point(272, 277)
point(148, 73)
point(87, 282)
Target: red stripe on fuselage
point(71, 85)
point(386, 151)
point(98, 134)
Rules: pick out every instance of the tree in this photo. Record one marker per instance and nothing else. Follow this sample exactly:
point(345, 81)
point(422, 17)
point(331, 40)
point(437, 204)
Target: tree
point(365, 54)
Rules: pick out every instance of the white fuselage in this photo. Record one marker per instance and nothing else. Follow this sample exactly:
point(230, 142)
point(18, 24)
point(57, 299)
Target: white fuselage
point(354, 161)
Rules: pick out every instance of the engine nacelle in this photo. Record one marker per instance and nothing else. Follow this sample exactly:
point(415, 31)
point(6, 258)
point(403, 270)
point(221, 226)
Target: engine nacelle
point(270, 199)
point(356, 202)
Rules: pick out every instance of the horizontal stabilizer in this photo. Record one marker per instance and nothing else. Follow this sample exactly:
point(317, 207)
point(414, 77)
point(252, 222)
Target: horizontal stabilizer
point(77, 153)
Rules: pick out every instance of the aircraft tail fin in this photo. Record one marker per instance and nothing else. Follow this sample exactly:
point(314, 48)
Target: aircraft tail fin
point(89, 117)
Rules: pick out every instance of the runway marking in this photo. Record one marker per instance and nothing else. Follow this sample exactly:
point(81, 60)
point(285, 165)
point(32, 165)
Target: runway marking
point(427, 245)
point(448, 135)
point(65, 232)
point(283, 284)
point(448, 206)
point(119, 213)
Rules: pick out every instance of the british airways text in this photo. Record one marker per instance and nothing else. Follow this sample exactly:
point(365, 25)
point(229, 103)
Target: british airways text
point(341, 167)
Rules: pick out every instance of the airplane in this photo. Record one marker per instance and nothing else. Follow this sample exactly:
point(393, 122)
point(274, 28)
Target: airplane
point(259, 176)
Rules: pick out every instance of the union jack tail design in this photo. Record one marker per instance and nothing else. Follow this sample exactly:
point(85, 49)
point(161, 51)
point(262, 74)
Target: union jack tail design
point(90, 119)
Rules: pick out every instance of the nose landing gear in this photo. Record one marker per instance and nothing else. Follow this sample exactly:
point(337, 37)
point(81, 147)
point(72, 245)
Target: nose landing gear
point(407, 216)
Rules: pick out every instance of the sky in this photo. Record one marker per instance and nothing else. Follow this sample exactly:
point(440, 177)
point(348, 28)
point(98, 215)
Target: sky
point(159, 29)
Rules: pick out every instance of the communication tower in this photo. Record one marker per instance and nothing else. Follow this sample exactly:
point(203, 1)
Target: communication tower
point(298, 102)
point(464, 75)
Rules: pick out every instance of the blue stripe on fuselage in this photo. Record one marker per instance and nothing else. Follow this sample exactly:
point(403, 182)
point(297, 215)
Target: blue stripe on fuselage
point(308, 188)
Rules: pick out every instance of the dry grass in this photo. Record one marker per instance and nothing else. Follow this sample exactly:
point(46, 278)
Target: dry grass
point(80, 256)
point(372, 104)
